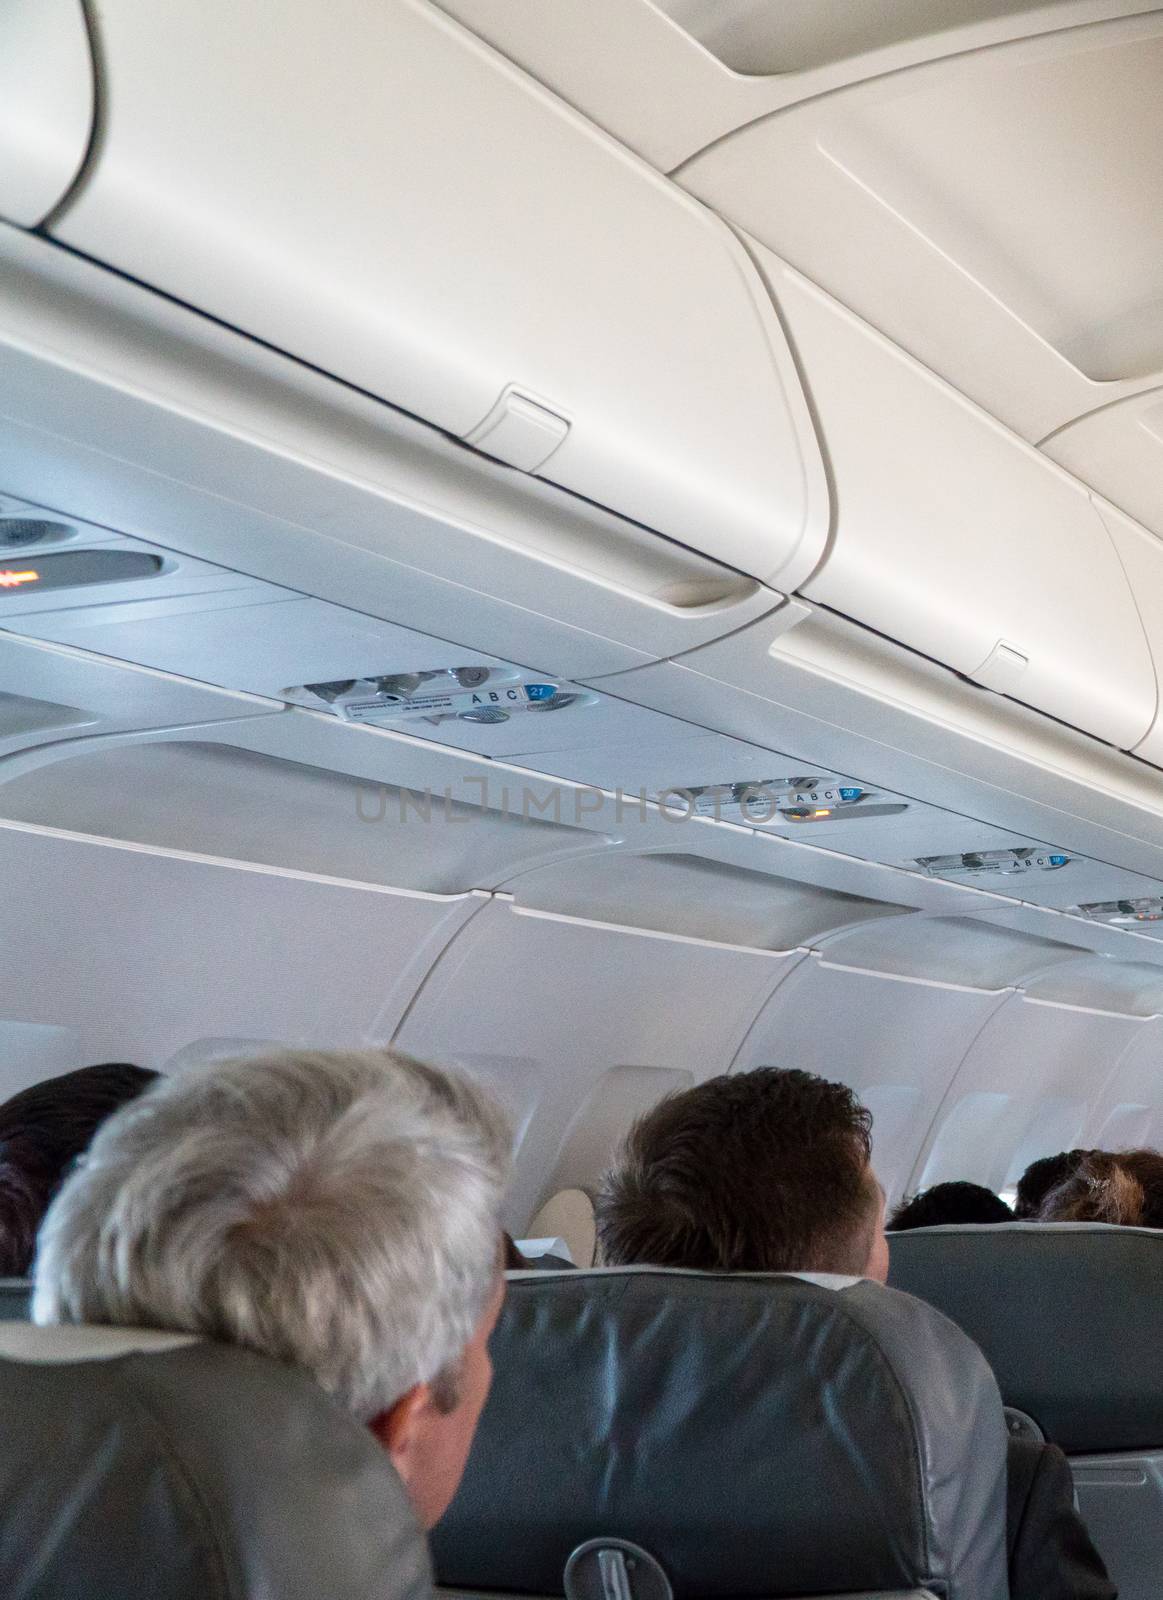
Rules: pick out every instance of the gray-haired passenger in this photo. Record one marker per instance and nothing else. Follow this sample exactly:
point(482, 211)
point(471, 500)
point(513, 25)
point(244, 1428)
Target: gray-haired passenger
point(338, 1211)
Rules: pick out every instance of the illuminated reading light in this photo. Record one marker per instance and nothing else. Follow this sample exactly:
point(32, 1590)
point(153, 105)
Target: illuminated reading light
point(74, 569)
point(775, 801)
point(1123, 913)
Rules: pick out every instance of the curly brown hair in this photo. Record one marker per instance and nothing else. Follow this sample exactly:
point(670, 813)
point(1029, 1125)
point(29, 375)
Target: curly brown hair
point(1124, 1187)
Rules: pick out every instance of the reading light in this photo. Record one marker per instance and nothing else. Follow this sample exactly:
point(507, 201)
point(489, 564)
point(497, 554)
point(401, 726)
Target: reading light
point(1124, 913)
point(75, 569)
point(486, 714)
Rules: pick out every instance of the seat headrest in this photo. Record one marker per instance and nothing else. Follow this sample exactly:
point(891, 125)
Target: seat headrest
point(135, 1464)
point(15, 1299)
point(759, 1435)
point(1069, 1315)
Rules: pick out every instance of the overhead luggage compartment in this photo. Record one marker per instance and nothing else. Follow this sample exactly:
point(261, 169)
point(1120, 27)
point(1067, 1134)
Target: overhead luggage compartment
point(956, 538)
point(375, 191)
point(132, 412)
point(1118, 450)
point(46, 104)
point(1141, 554)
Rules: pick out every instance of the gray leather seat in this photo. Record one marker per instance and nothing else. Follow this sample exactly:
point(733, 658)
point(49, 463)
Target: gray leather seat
point(1070, 1316)
point(757, 1435)
point(149, 1466)
point(15, 1299)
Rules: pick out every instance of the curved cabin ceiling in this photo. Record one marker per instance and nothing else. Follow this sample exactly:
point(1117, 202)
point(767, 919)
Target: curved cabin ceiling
point(715, 65)
point(978, 182)
point(981, 182)
point(1016, 189)
point(759, 39)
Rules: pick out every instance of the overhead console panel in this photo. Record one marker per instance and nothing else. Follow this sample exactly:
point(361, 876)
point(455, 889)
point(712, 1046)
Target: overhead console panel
point(463, 245)
point(129, 601)
point(46, 104)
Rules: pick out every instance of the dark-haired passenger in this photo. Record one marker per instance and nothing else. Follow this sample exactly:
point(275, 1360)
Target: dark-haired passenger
point(947, 1203)
point(764, 1171)
point(43, 1130)
point(770, 1171)
point(1039, 1178)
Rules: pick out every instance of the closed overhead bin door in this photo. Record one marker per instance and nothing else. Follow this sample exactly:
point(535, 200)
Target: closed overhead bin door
point(46, 104)
point(374, 190)
point(958, 539)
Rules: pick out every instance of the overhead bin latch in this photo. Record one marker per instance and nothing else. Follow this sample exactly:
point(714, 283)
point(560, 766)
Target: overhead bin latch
point(1001, 669)
point(519, 430)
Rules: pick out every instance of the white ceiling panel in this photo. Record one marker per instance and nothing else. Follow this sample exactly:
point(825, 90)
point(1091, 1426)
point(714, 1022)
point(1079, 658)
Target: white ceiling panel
point(998, 215)
point(669, 77)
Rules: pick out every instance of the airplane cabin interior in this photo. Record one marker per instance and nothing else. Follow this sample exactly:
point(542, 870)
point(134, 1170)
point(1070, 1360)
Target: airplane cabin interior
point(603, 543)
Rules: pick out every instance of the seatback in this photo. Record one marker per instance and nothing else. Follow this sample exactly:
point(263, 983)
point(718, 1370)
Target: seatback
point(15, 1299)
point(136, 1464)
point(1070, 1316)
point(757, 1435)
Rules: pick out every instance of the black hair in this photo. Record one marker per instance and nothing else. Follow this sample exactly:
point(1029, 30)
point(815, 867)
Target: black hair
point(949, 1202)
point(43, 1130)
point(1042, 1176)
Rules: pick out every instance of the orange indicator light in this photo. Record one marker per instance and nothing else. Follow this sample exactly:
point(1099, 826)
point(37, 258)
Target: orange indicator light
point(821, 813)
point(11, 579)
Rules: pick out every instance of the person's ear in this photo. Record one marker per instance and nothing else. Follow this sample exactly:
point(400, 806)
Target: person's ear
point(399, 1427)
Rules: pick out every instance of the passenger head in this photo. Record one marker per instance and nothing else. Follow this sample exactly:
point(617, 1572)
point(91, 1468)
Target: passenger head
point(1146, 1166)
point(1124, 1188)
point(765, 1171)
point(43, 1130)
point(949, 1202)
point(1039, 1178)
point(339, 1212)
